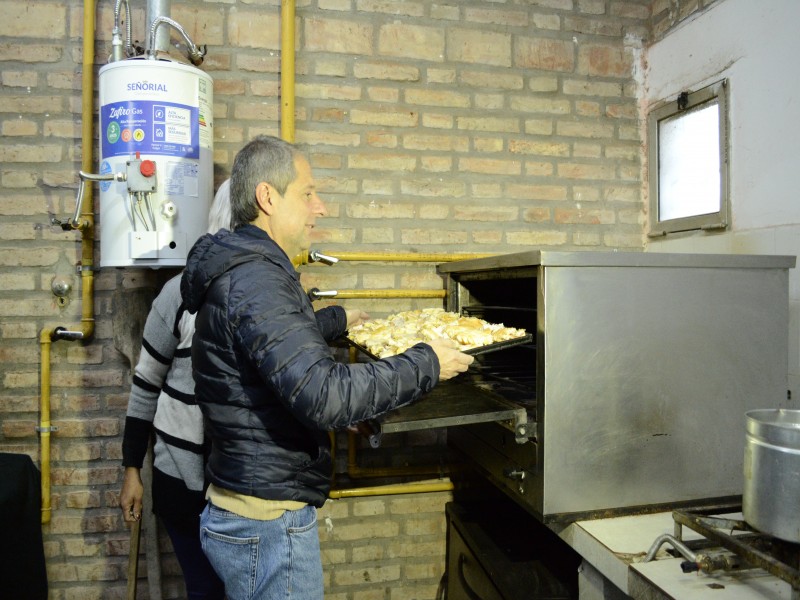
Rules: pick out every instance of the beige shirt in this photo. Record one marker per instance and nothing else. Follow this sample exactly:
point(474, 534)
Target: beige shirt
point(250, 507)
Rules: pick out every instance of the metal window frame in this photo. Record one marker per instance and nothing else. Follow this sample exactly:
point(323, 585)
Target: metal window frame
point(685, 103)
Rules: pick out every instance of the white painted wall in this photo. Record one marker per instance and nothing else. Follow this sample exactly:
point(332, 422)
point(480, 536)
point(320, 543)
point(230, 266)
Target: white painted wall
point(755, 44)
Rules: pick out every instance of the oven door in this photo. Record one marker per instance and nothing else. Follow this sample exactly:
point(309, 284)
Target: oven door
point(466, 579)
point(496, 551)
point(461, 401)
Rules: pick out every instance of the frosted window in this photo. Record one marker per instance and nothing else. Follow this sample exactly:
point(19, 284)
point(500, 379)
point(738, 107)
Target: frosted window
point(688, 157)
point(689, 164)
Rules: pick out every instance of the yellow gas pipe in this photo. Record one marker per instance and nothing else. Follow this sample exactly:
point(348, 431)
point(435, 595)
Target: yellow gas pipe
point(287, 70)
point(393, 490)
point(308, 258)
point(288, 134)
point(380, 490)
point(44, 422)
point(401, 256)
point(86, 224)
point(371, 294)
point(86, 227)
point(353, 470)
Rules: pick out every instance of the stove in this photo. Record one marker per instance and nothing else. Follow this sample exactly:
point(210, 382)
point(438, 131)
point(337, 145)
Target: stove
point(729, 543)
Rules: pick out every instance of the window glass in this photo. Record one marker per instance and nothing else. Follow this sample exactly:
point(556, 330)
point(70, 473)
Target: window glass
point(688, 186)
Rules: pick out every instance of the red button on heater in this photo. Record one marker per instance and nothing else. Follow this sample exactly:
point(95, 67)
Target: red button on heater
point(147, 168)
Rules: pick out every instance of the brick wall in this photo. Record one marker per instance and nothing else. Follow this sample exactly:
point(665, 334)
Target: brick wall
point(470, 126)
point(668, 14)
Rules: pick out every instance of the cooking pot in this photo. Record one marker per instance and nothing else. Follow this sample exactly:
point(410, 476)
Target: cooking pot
point(771, 497)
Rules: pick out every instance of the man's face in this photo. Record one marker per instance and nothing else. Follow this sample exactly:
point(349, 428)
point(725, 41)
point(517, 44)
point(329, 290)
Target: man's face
point(297, 211)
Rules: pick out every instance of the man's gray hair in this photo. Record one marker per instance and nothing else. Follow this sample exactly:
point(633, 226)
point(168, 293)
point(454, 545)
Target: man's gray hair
point(265, 158)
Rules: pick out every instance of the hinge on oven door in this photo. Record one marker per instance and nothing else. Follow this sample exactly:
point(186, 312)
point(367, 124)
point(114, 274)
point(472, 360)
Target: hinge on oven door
point(522, 429)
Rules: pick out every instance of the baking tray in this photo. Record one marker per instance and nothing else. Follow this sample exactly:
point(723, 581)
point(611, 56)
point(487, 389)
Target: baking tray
point(525, 339)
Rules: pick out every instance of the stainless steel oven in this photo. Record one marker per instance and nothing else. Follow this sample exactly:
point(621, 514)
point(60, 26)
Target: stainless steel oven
point(632, 395)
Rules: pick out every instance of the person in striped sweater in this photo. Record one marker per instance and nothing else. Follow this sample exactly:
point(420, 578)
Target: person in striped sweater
point(162, 401)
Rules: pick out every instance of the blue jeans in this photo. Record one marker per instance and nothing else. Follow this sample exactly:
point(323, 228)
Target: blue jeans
point(264, 560)
point(202, 582)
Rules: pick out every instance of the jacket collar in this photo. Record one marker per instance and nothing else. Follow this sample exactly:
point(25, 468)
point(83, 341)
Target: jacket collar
point(269, 249)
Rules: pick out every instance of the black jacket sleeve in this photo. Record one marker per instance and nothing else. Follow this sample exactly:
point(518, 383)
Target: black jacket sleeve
point(282, 339)
point(332, 322)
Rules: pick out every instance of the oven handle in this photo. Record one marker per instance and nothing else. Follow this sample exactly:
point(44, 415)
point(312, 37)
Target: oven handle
point(462, 578)
point(518, 475)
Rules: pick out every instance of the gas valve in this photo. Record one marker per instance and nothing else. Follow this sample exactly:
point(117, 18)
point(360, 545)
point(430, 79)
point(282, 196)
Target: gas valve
point(141, 175)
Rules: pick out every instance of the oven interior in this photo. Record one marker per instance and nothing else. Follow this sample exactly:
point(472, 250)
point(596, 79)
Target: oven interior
point(500, 386)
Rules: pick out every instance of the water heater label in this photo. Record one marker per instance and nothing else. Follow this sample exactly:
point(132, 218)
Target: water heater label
point(150, 127)
point(182, 179)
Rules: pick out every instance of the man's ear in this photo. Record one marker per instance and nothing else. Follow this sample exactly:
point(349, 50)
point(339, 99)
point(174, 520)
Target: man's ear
point(265, 196)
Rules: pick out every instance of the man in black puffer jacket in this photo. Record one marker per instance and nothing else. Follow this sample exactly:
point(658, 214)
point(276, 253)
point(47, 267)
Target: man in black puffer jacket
point(267, 382)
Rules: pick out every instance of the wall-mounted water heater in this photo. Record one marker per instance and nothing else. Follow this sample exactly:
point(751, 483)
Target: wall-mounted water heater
point(156, 132)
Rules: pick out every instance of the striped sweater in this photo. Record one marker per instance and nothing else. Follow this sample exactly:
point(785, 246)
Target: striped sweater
point(162, 401)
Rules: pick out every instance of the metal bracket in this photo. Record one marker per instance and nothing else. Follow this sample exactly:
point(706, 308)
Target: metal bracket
point(519, 425)
point(51, 429)
point(522, 429)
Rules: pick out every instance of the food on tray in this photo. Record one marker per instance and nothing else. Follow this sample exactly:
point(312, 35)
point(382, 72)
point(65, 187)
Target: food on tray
point(400, 331)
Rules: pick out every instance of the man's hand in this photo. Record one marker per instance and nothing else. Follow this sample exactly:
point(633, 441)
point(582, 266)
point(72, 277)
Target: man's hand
point(451, 361)
point(355, 316)
point(130, 498)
